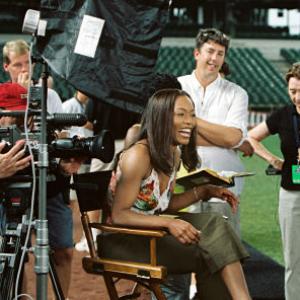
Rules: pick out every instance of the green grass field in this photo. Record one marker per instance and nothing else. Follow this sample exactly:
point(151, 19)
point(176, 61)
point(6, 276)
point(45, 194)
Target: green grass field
point(259, 205)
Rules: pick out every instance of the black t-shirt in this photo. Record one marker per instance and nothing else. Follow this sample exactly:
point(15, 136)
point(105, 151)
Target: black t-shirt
point(105, 116)
point(281, 122)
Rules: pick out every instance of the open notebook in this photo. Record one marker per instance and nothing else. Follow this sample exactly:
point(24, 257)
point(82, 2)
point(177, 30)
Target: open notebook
point(206, 175)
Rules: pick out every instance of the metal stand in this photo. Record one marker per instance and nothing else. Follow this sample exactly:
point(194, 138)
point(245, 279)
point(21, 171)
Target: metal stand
point(41, 250)
point(10, 257)
point(55, 281)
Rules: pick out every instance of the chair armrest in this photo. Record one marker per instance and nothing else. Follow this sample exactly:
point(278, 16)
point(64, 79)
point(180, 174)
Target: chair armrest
point(128, 230)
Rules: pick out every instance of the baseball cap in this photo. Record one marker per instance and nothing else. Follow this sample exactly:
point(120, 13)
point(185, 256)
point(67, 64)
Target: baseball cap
point(13, 96)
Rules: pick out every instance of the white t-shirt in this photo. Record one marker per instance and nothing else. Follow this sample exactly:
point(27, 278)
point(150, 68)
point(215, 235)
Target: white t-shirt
point(73, 106)
point(54, 103)
point(225, 103)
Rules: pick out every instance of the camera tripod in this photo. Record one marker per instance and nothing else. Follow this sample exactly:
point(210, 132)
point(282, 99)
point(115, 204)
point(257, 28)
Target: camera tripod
point(11, 248)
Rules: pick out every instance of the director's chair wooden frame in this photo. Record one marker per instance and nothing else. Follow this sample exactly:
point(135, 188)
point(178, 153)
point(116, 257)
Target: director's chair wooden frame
point(91, 189)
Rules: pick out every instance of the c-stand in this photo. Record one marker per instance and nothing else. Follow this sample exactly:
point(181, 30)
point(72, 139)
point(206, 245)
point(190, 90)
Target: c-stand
point(13, 241)
point(11, 245)
point(42, 243)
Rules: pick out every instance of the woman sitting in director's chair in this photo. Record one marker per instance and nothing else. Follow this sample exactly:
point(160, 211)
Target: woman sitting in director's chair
point(203, 243)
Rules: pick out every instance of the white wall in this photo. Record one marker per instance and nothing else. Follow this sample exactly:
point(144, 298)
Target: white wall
point(290, 18)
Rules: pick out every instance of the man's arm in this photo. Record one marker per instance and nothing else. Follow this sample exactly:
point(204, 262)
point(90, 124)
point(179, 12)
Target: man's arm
point(233, 129)
point(89, 125)
point(246, 148)
point(212, 134)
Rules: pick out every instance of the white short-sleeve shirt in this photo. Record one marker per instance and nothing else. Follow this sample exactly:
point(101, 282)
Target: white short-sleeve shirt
point(225, 103)
point(54, 103)
point(73, 106)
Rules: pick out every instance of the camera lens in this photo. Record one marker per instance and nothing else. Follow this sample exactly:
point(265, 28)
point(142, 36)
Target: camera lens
point(103, 146)
point(100, 146)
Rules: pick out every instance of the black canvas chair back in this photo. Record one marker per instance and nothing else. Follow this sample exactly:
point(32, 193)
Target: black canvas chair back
point(91, 190)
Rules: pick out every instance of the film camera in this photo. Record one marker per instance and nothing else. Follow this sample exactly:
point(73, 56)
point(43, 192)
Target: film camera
point(100, 146)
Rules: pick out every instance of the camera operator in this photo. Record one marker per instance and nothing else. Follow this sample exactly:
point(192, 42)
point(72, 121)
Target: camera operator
point(59, 215)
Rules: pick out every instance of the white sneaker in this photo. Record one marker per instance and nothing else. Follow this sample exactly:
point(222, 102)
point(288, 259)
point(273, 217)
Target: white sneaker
point(82, 244)
point(95, 232)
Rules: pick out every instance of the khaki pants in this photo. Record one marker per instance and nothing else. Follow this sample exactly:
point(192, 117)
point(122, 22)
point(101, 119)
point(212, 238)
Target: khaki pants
point(224, 209)
point(219, 246)
point(289, 218)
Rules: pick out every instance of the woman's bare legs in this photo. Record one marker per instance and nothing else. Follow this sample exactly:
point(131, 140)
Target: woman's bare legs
point(234, 279)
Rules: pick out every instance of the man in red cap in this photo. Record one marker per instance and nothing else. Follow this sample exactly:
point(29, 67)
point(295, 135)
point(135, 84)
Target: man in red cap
point(16, 65)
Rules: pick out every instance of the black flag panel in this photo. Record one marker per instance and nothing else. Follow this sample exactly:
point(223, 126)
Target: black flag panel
point(114, 64)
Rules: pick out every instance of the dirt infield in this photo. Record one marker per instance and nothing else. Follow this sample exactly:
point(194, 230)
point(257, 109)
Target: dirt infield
point(83, 285)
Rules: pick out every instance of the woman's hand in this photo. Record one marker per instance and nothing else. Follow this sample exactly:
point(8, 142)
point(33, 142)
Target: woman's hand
point(224, 194)
point(277, 163)
point(184, 232)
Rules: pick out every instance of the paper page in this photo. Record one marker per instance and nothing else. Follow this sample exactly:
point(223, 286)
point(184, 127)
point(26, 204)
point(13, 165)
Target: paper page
point(235, 174)
point(89, 35)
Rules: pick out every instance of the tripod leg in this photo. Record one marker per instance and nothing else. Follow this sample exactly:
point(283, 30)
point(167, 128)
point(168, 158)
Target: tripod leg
point(55, 281)
point(10, 257)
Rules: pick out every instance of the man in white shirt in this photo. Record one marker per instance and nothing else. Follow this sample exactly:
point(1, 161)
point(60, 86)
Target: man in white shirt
point(222, 113)
point(77, 105)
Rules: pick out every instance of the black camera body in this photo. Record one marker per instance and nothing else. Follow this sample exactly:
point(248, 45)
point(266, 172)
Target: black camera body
point(9, 135)
point(272, 171)
point(100, 146)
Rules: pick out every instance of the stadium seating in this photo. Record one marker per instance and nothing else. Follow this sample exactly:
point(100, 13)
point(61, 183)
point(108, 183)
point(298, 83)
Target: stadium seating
point(290, 54)
point(264, 84)
point(175, 60)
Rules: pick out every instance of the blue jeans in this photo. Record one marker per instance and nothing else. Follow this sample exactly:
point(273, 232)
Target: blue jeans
point(60, 223)
point(176, 287)
point(2, 219)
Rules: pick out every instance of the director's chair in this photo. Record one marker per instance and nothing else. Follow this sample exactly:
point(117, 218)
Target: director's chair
point(91, 189)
